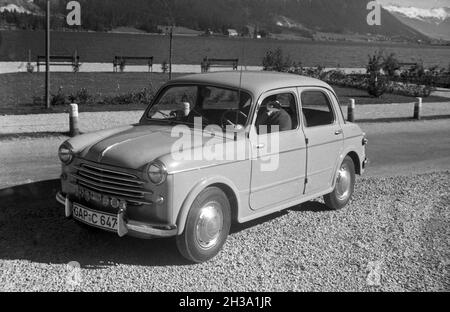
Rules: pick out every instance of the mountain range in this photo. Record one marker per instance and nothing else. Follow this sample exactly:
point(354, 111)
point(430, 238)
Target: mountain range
point(435, 23)
point(305, 17)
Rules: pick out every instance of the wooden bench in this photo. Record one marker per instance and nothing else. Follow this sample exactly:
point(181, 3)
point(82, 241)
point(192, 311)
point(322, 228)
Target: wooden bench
point(59, 60)
point(120, 62)
point(207, 63)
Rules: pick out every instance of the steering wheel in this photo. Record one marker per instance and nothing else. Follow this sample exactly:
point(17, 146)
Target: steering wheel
point(225, 121)
point(198, 114)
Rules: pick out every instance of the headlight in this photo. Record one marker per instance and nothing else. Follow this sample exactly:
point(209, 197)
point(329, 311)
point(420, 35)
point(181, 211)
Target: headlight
point(157, 172)
point(65, 153)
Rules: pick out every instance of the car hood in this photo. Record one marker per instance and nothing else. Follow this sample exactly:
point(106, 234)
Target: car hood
point(134, 147)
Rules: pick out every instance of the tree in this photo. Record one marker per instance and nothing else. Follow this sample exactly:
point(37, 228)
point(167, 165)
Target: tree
point(375, 64)
point(377, 83)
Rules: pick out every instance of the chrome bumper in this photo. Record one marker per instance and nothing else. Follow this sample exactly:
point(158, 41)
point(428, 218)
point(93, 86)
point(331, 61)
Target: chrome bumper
point(133, 228)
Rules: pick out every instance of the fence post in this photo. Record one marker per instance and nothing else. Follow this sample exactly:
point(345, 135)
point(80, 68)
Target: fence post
point(351, 111)
point(73, 120)
point(417, 108)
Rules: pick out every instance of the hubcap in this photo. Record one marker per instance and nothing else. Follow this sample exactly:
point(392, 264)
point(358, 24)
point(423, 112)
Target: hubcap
point(209, 225)
point(343, 183)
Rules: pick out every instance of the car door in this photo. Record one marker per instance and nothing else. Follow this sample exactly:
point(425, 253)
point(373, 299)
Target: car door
point(278, 158)
point(324, 135)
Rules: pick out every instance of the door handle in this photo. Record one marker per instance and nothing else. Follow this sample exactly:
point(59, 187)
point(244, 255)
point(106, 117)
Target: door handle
point(260, 146)
point(338, 132)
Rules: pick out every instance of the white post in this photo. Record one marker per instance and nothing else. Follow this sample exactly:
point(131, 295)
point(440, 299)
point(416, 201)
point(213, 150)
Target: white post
point(73, 120)
point(351, 110)
point(418, 108)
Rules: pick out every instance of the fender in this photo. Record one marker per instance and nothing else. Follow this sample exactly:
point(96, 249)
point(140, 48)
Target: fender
point(195, 191)
point(345, 152)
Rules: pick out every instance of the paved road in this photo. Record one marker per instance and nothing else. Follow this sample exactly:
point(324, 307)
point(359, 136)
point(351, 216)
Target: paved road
point(394, 149)
point(408, 147)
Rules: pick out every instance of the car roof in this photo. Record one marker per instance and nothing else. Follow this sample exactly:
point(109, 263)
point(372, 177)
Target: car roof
point(256, 82)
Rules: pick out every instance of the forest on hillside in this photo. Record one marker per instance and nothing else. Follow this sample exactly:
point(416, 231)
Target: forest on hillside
point(219, 15)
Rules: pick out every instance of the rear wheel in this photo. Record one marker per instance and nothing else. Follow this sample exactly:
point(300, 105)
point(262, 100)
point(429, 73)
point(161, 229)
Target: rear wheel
point(207, 226)
point(344, 186)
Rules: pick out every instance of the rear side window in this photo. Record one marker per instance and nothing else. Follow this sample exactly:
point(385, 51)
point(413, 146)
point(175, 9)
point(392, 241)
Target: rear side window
point(316, 109)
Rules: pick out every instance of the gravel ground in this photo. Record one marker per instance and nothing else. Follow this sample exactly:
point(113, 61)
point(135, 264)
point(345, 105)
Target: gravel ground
point(394, 236)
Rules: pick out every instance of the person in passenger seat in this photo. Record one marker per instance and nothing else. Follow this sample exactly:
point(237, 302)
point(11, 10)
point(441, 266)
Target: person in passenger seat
point(271, 115)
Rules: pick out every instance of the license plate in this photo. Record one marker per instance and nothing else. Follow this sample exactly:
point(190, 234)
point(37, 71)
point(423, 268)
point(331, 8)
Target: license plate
point(98, 219)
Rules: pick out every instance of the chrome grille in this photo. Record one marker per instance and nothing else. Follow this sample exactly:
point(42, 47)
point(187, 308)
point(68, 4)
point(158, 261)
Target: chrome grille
point(112, 182)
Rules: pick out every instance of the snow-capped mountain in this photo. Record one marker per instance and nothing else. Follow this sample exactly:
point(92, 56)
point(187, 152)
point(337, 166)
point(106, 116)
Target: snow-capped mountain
point(434, 23)
point(19, 6)
point(14, 8)
point(437, 15)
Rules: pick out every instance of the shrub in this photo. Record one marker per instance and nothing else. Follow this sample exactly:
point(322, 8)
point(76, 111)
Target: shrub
point(409, 89)
point(82, 97)
point(30, 67)
point(375, 64)
point(376, 86)
point(142, 97)
point(59, 99)
point(296, 68)
point(122, 65)
point(417, 70)
point(390, 64)
point(314, 72)
point(76, 67)
point(276, 61)
point(164, 67)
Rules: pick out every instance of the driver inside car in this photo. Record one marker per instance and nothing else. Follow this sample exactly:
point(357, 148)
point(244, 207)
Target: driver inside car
point(273, 117)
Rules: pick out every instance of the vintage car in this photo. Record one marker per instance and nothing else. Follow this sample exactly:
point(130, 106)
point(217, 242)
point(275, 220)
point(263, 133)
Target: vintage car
point(212, 149)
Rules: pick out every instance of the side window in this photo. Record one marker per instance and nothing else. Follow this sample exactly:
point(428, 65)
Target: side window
point(316, 109)
point(277, 112)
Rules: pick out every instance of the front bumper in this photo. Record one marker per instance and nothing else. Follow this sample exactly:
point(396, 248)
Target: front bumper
point(125, 227)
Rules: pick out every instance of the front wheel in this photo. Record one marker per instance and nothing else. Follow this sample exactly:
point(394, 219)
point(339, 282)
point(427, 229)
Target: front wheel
point(344, 186)
point(207, 226)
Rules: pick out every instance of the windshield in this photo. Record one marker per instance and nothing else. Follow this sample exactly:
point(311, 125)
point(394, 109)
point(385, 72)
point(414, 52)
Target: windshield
point(189, 104)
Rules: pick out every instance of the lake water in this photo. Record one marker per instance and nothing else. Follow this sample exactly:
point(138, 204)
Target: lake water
point(100, 48)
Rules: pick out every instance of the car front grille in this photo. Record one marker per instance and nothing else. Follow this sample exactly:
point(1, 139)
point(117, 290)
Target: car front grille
point(112, 182)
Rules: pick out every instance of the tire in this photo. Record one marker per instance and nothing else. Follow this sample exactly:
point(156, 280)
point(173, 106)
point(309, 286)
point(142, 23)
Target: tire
point(344, 186)
point(207, 226)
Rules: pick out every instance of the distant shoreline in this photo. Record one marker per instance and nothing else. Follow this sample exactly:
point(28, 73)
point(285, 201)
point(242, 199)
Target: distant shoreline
point(98, 47)
point(347, 40)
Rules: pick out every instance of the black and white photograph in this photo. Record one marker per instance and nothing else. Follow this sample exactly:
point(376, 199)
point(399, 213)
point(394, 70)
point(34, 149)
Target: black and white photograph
point(245, 147)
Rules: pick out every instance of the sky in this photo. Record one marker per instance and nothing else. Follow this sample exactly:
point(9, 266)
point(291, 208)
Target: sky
point(426, 4)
